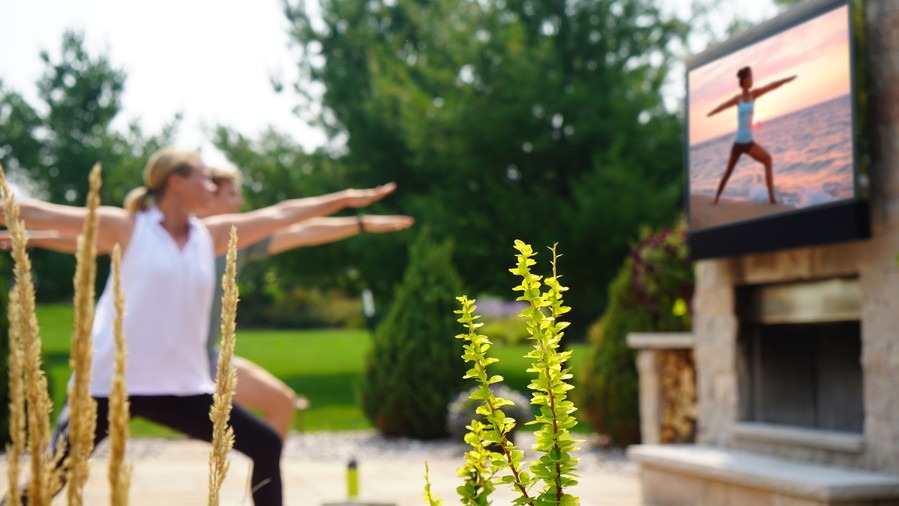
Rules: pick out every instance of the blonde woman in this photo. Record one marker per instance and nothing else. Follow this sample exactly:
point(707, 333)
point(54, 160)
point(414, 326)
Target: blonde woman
point(256, 388)
point(168, 270)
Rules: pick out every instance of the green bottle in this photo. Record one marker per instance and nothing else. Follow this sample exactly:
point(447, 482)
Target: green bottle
point(352, 479)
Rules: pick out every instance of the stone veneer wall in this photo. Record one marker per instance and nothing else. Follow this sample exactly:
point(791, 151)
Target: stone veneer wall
point(873, 261)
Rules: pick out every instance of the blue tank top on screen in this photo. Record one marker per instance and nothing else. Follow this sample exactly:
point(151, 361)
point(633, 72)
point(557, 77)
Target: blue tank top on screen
point(744, 121)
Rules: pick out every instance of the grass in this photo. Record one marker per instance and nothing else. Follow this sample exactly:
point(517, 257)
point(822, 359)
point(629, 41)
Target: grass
point(324, 365)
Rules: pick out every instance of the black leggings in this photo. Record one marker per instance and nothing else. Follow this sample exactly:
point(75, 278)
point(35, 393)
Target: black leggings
point(190, 415)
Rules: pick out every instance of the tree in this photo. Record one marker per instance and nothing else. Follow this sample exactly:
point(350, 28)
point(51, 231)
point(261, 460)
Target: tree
point(414, 368)
point(501, 120)
point(56, 143)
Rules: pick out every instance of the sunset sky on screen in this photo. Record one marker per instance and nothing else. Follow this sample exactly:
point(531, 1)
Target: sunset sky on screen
point(817, 51)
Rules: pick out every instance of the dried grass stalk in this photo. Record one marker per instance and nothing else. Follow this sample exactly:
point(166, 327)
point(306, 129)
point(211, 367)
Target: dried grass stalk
point(16, 447)
point(43, 480)
point(226, 379)
point(119, 471)
point(83, 407)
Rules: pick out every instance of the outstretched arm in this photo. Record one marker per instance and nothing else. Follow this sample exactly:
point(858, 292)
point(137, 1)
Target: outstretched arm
point(324, 230)
point(253, 226)
point(756, 93)
point(730, 103)
point(44, 239)
point(114, 225)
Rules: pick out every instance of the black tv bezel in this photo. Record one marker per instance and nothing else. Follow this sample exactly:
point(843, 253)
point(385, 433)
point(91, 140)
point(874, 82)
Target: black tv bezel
point(846, 220)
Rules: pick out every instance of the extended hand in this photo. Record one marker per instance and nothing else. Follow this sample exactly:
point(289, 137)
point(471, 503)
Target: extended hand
point(362, 198)
point(375, 223)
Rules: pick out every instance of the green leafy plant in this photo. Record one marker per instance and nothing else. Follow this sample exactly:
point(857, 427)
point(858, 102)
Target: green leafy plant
point(650, 293)
point(554, 470)
point(432, 501)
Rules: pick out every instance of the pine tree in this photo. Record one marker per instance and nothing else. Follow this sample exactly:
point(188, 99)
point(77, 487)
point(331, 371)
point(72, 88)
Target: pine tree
point(413, 369)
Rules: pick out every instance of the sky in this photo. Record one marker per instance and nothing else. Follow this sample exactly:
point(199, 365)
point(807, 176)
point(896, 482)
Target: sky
point(211, 60)
point(816, 51)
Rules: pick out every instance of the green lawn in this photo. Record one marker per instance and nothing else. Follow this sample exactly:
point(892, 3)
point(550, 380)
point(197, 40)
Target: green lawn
point(323, 365)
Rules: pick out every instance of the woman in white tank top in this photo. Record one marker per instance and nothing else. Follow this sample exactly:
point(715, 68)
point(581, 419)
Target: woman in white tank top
point(167, 275)
point(743, 141)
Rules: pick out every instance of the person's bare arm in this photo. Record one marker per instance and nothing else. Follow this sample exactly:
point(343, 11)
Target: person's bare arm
point(730, 103)
point(758, 92)
point(44, 239)
point(253, 226)
point(114, 224)
point(324, 230)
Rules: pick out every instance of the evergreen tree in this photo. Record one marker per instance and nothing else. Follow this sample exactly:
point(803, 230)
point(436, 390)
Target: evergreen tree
point(414, 370)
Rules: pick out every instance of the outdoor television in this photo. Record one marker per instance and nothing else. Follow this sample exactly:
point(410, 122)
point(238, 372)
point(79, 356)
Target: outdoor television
point(775, 149)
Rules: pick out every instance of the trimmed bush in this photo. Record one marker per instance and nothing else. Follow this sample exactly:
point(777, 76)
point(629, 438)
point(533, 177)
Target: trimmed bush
point(506, 331)
point(413, 369)
point(651, 293)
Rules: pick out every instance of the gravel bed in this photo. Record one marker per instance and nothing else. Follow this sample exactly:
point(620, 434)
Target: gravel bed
point(369, 445)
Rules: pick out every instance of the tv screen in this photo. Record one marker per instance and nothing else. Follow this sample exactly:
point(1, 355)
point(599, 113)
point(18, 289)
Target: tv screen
point(774, 156)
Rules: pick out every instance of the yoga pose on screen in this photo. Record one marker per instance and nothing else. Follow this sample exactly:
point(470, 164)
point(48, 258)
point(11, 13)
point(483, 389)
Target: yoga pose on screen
point(743, 143)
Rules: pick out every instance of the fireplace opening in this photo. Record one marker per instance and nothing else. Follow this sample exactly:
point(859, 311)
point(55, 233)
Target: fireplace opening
point(800, 355)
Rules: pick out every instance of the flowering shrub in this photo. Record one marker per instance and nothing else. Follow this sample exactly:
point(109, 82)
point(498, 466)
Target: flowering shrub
point(650, 293)
point(662, 279)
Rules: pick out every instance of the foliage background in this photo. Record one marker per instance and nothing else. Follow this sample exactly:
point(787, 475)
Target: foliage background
point(544, 121)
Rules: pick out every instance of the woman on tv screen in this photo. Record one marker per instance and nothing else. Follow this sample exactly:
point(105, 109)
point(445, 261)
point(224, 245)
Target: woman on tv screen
point(743, 141)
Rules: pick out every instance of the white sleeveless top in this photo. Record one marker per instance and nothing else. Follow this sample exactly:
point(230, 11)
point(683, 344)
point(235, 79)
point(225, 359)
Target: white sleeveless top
point(168, 294)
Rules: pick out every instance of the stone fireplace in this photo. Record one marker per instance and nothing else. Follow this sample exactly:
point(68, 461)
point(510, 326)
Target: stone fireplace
point(797, 372)
point(797, 352)
point(799, 355)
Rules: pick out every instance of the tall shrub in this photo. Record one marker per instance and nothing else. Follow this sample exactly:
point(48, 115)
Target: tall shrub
point(651, 292)
point(413, 371)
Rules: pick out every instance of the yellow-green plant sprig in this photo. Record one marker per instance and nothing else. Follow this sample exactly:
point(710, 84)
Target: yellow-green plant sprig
point(498, 426)
point(556, 466)
point(16, 447)
point(83, 420)
point(432, 501)
point(43, 479)
point(479, 469)
point(226, 378)
point(119, 472)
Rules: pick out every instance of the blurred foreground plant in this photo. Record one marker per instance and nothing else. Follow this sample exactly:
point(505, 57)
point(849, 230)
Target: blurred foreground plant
point(554, 471)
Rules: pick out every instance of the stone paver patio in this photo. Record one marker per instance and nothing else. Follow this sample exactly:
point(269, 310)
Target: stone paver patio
point(175, 473)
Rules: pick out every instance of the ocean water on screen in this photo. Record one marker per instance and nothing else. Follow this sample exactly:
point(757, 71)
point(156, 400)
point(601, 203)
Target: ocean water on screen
point(811, 151)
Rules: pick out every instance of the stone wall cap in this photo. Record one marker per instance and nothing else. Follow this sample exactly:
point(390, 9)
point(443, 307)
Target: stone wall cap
point(788, 477)
point(661, 340)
